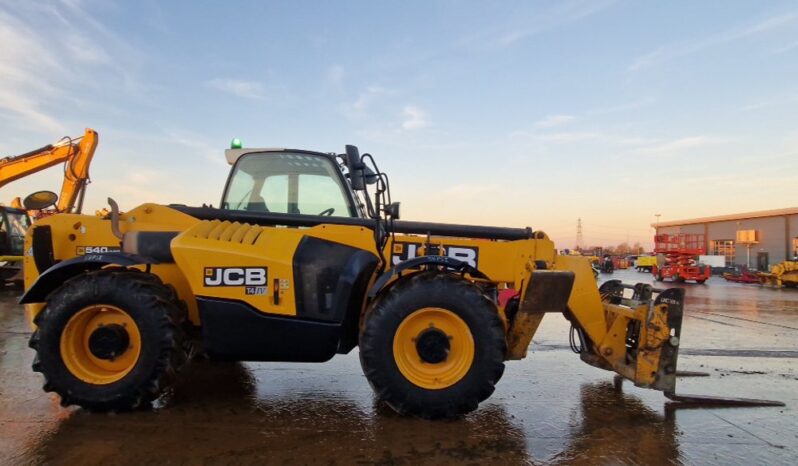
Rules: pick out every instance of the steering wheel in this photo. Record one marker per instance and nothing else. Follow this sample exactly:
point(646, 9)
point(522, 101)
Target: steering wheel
point(327, 212)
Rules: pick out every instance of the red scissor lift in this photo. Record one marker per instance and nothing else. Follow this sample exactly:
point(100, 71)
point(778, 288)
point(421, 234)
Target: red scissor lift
point(681, 258)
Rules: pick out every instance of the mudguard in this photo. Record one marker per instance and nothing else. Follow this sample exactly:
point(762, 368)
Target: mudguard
point(53, 277)
point(444, 261)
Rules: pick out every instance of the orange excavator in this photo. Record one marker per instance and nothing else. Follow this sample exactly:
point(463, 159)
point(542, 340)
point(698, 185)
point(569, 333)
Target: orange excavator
point(76, 155)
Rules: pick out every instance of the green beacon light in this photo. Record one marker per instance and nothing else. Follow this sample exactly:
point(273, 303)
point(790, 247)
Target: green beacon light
point(235, 143)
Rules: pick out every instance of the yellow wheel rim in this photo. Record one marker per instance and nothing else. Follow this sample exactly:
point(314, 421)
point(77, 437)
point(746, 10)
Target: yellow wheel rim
point(422, 354)
point(77, 353)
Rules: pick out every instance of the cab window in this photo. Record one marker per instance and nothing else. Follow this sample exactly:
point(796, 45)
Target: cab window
point(13, 225)
point(288, 183)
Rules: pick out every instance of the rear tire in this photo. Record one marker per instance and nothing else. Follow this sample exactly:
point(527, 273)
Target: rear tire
point(400, 358)
point(112, 339)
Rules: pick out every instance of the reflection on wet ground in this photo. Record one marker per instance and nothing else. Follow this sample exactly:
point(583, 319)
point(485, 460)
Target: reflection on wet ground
point(548, 409)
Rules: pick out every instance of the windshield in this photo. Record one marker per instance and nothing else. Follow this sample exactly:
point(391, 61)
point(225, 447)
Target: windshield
point(288, 183)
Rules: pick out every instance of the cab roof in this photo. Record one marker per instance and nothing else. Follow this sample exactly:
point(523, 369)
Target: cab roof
point(232, 155)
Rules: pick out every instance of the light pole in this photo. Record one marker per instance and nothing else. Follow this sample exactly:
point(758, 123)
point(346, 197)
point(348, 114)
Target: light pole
point(656, 231)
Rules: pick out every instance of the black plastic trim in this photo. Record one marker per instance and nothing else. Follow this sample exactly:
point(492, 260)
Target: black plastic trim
point(325, 273)
point(235, 331)
point(42, 244)
point(350, 295)
point(400, 226)
point(156, 244)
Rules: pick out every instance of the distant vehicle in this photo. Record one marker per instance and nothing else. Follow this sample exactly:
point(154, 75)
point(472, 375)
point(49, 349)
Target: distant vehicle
point(645, 263)
point(680, 254)
point(607, 265)
point(743, 276)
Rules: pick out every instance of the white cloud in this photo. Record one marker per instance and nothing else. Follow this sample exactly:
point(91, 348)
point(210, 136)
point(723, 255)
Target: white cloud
point(361, 107)
point(24, 60)
point(786, 48)
point(49, 52)
point(552, 121)
point(570, 136)
point(24, 108)
point(622, 107)
point(244, 89)
point(788, 99)
point(365, 99)
point(83, 50)
point(414, 118)
point(676, 146)
point(561, 14)
point(142, 176)
point(197, 144)
point(671, 52)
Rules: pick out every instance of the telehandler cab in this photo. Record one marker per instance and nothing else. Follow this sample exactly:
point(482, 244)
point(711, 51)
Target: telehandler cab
point(302, 262)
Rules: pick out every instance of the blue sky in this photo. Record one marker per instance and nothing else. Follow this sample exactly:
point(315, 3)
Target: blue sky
point(506, 113)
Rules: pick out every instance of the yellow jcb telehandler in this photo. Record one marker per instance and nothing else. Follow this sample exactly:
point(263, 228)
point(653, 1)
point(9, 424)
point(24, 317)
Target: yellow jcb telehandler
point(305, 258)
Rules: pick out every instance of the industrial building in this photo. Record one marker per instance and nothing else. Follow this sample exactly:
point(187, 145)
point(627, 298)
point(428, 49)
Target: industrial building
point(756, 239)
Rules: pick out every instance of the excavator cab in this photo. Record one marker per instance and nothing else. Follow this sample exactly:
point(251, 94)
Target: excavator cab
point(13, 225)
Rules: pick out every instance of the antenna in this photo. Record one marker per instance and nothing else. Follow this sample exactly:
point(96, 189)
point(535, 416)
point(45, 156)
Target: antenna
point(579, 239)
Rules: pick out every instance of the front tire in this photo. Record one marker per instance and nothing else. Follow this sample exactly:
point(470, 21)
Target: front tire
point(433, 346)
point(110, 340)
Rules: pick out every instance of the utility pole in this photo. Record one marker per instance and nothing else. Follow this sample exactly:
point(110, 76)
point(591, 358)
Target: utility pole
point(656, 230)
point(579, 239)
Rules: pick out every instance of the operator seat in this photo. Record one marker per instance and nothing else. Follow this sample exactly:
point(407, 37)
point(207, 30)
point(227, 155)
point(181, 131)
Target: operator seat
point(257, 204)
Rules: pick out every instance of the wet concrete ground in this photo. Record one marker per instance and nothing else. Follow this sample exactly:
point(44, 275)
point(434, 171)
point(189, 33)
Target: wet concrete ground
point(548, 409)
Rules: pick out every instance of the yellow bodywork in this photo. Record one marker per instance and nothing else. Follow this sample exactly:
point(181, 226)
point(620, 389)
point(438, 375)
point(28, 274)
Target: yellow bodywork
point(79, 235)
point(646, 261)
point(204, 244)
point(217, 243)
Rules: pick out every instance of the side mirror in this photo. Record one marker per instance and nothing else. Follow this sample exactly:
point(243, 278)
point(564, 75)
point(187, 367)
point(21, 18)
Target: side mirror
point(392, 210)
point(40, 200)
point(356, 168)
point(369, 175)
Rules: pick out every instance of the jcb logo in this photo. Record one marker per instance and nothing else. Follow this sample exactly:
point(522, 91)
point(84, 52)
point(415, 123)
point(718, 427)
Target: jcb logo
point(236, 276)
point(406, 251)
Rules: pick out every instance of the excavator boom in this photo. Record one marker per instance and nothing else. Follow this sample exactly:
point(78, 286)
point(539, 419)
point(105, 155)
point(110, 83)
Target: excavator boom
point(76, 153)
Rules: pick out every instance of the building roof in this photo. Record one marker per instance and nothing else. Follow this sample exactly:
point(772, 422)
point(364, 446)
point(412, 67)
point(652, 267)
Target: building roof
point(726, 218)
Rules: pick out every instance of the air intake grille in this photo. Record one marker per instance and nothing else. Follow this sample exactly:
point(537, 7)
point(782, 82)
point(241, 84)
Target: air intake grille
point(233, 232)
